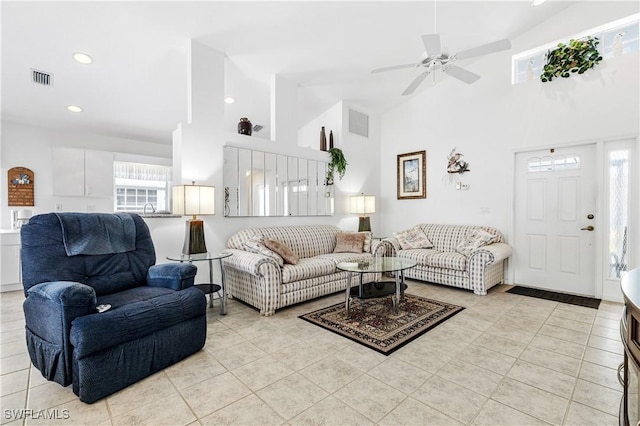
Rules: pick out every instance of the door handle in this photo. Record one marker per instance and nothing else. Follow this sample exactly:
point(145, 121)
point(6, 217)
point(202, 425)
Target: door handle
point(587, 228)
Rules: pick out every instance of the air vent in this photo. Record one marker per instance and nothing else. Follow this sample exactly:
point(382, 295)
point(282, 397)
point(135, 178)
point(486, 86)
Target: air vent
point(257, 128)
point(358, 123)
point(41, 77)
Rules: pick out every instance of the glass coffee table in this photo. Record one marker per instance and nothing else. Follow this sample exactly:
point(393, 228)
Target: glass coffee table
point(373, 290)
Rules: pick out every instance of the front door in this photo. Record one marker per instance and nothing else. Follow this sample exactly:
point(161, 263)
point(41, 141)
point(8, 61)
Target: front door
point(555, 208)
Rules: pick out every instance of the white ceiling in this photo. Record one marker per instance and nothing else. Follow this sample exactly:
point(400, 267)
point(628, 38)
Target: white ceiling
point(136, 87)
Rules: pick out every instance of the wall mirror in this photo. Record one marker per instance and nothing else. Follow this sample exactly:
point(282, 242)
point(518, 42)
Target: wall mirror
point(259, 183)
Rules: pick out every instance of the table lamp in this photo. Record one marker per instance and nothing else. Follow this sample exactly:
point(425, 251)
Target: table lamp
point(363, 205)
point(193, 200)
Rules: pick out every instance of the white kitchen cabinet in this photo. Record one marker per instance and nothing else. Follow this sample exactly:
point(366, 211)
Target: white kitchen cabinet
point(10, 277)
point(83, 173)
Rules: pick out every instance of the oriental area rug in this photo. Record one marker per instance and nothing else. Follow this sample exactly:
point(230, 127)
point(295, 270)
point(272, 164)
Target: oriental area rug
point(374, 324)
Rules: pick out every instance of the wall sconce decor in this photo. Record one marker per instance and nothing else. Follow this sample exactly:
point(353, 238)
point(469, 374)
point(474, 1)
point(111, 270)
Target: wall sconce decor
point(363, 205)
point(193, 200)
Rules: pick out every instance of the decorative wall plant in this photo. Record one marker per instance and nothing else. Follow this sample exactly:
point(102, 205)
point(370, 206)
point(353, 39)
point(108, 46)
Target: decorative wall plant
point(337, 164)
point(578, 56)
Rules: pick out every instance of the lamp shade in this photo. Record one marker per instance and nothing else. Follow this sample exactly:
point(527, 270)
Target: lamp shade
point(193, 200)
point(363, 204)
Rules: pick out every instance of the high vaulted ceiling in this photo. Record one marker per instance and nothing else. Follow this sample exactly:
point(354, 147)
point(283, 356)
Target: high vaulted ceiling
point(137, 86)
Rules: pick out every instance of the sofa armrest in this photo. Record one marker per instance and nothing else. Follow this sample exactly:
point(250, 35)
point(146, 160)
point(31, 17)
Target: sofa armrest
point(175, 276)
point(49, 310)
point(491, 253)
point(380, 248)
point(393, 246)
point(248, 262)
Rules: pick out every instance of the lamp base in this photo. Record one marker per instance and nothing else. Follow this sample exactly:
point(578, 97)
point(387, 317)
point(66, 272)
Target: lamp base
point(194, 237)
point(364, 224)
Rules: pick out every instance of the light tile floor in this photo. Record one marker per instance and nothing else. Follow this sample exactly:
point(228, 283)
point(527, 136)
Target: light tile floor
point(506, 359)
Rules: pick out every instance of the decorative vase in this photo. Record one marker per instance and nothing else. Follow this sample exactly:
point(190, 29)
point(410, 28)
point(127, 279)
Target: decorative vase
point(244, 126)
point(323, 140)
point(330, 139)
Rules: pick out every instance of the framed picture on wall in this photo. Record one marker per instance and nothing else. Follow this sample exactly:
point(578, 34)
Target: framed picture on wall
point(412, 175)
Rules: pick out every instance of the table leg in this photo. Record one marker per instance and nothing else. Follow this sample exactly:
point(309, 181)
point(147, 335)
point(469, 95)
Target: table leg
point(347, 301)
point(402, 285)
point(396, 297)
point(223, 310)
point(210, 282)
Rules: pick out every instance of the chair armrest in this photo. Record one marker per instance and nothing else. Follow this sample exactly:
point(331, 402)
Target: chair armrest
point(491, 253)
point(248, 262)
point(64, 293)
point(175, 276)
point(49, 310)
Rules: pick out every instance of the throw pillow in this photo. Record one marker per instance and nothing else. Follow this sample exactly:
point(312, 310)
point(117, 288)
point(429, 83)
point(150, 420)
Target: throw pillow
point(366, 248)
point(413, 238)
point(287, 254)
point(349, 242)
point(475, 239)
point(256, 245)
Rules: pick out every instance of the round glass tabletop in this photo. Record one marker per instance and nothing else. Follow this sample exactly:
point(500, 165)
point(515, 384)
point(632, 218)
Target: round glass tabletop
point(199, 256)
point(378, 264)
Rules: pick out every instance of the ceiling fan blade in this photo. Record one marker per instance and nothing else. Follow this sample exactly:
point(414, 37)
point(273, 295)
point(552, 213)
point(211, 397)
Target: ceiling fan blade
point(432, 44)
point(460, 73)
point(393, 68)
point(485, 49)
point(415, 83)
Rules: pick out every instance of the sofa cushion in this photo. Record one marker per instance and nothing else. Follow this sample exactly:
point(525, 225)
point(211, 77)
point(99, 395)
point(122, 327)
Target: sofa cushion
point(435, 259)
point(256, 245)
point(308, 268)
point(282, 249)
point(447, 260)
point(349, 242)
point(473, 240)
point(304, 240)
point(413, 238)
point(447, 237)
point(346, 257)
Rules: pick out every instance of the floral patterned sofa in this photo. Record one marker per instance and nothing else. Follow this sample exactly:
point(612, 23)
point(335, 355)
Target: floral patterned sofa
point(261, 279)
point(469, 257)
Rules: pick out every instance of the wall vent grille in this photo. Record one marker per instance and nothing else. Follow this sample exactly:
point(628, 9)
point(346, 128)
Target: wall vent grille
point(358, 123)
point(257, 128)
point(41, 77)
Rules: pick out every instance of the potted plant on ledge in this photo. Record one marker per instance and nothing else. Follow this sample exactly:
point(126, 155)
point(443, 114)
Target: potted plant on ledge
point(578, 56)
point(337, 164)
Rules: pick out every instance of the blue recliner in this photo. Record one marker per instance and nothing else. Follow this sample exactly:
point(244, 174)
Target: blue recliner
point(73, 262)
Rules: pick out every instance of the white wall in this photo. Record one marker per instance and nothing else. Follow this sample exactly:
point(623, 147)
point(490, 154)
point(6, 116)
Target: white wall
point(31, 147)
point(488, 120)
point(362, 155)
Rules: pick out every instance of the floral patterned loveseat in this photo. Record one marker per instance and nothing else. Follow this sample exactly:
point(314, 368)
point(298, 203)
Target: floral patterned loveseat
point(263, 282)
point(455, 255)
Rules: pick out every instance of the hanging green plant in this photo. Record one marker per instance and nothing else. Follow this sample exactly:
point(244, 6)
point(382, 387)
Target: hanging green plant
point(337, 164)
point(578, 56)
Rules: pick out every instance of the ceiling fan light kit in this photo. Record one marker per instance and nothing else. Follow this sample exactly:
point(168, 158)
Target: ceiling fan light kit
point(436, 59)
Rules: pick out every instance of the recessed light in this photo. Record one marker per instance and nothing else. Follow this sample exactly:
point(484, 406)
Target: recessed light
point(229, 100)
point(74, 108)
point(82, 58)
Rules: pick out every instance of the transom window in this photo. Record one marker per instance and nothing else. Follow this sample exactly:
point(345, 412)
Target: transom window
point(556, 163)
point(616, 38)
point(137, 185)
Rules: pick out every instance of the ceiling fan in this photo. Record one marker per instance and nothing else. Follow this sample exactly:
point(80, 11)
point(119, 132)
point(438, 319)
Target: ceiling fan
point(437, 59)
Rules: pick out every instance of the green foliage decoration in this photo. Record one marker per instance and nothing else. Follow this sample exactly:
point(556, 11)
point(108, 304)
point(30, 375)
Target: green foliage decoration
point(337, 164)
point(577, 56)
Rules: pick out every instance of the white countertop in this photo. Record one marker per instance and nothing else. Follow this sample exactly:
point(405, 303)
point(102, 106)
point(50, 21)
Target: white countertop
point(9, 231)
